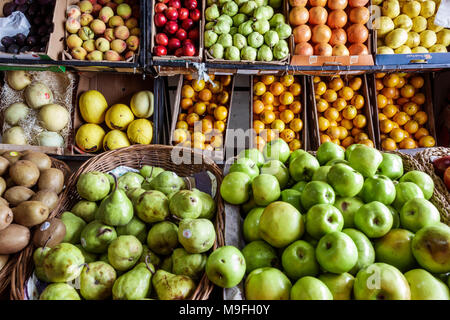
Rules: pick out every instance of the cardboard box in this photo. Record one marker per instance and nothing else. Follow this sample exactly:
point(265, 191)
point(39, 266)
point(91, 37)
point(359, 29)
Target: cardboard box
point(303, 135)
point(55, 44)
point(366, 110)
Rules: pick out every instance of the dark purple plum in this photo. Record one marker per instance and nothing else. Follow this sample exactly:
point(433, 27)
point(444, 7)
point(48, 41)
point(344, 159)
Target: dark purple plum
point(32, 40)
point(22, 8)
point(9, 8)
point(45, 39)
point(7, 41)
point(48, 20)
point(36, 49)
point(33, 9)
point(24, 49)
point(20, 39)
point(38, 20)
point(20, 2)
point(14, 48)
point(32, 31)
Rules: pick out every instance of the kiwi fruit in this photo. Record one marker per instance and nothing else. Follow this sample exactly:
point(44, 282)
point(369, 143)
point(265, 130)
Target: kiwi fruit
point(49, 233)
point(24, 173)
point(6, 216)
point(30, 213)
point(18, 194)
point(12, 156)
point(51, 179)
point(9, 183)
point(4, 164)
point(2, 186)
point(14, 238)
point(4, 202)
point(48, 197)
point(41, 160)
point(3, 260)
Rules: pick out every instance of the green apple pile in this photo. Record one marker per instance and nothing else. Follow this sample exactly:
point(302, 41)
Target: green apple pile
point(408, 27)
point(338, 225)
point(246, 30)
point(143, 235)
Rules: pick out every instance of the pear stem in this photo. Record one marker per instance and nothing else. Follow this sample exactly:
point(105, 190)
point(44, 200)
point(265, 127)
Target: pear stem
point(46, 242)
point(189, 183)
point(115, 181)
point(174, 217)
point(147, 257)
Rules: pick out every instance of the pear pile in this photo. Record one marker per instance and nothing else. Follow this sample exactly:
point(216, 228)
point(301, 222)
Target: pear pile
point(140, 236)
point(339, 225)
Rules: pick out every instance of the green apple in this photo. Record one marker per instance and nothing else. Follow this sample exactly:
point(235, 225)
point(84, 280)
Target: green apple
point(249, 205)
point(346, 181)
point(277, 150)
point(299, 260)
point(247, 166)
point(310, 288)
point(225, 267)
point(374, 219)
point(253, 154)
point(317, 192)
point(235, 188)
point(348, 207)
point(365, 160)
point(395, 216)
point(336, 252)
point(303, 167)
point(312, 241)
point(340, 285)
point(353, 146)
point(391, 166)
point(299, 186)
point(329, 151)
point(336, 161)
point(366, 252)
point(251, 225)
point(295, 154)
point(378, 188)
point(424, 286)
point(322, 219)
point(267, 284)
point(418, 213)
point(381, 281)
point(266, 189)
point(259, 254)
point(405, 191)
point(422, 180)
point(277, 169)
point(281, 224)
point(321, 174)
point(395, 249)
point(293, 197)
point(431, 248)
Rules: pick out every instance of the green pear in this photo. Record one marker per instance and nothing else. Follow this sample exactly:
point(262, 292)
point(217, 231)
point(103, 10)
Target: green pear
point(366, 252)
point(149, 173)
point(259, 254)
point(299, 260)
point(185, 204)
point(63, 263)
point(150, 255)
point(251, 225)
point(196, 235)
point(97, 280)
point(163, 237)
point(261, 26)
point(134, 193)
point(222, 27)
point(226, 266)
point(134, 284)
point(424, 286)
point(248, 7)
point(129, 181)
point(391, 166)
point(59, 291)
point(365, 160)
point(321, 174)
point(166, 264)
point(172, 287)
point(38, 260)
point(212, 13)
point(88, 256)
point(310, 288)
point(246, 28)
point(277, 19)
point(348, 207)
point(124, 252)
point(422, 180)
point(208, 205)
point(188, 264)
point(85, 210)
point(340, 285)
point(74, 227)
point(239, 19)
point(266, 189)
point(135, 228)
point(267, 284)
point(96, 237)
point(152, 206)
point(263, 12)
point(167, 182)
point(93, 186)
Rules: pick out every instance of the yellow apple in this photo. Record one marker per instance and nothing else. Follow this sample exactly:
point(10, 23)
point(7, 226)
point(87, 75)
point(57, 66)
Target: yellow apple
point(403, 49)
point(443, 37)
point(391, 8)
point(385, 50)
point(413, 39)
point(438, 48)
point(404, 22)
point(396, 38)
point(419, 24)
point(428, 8)
point(384, 25)
point(431, 26)
point(411, 8)
point(419, 49)
point(427, 38)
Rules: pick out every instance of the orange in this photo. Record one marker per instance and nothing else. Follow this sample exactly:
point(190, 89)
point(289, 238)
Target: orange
point(286, 116)
point(336, 141)
point(216, 88)
point(331, 114)
point(267, 98)
point(348, 141)
point(223, 97)
point(407, 143)
point(381, 101)
point(401, 118)
point(268, 107)
point(210, 108)
point(407, 91)
point(334, 132)
point(386, 126)
point(212, 76)
point(190, 110)
point(322, 105)
point(422, 132)
point(259, 88)
point(182, 116)
point(267, 117)
point(417, 82)
point(198, 137)
point(286, 98)
point(401, 83)
point(358, 101)
point(379, 84)
point(287, 80)
point(379, 75)
point(259, 143)
point(359, 121)
point(395, 125)
point(296, 125)
point(397, 135)
point(316, 79)
point(198, 85)
point(295, 107)
point(343, 133)
point(281, 108)
point(220, 125)
point(295, 144)
point(187, 91)
point(267, 79)
point(421, 117)
point(180, 135)
point(336, 84)
point(390, 101)
point(391, 80)
point(411, 126)
point(361, 136)
point(226, 80)
point(401, 101)
point(200, 108)
point(388, 144)
point(199, 145)
point(426, 142)
point(258, 126)
point(220, 113)
point(268, 135)
point(276, 101)
point(287, 135)
point(277, 114)
point(324, 138)
point(339, 104)
point(382, 116)
point(276, 88)
point(258, 106)
point(186, 103)
point(355, 83)
point(390, 110)
point(186, 144)
point(182, 125)
point(347, 124)
point(320, 88)
point(205, 95)
point(346, 93)
point(192, 118)
point(389, 92)
point(295, 89)
point(418, 98)
point(188, 77)
point(349, 112)
point(333, 123)
point(367, 142)
point(207, 125)
point(277, 124)
point(323, 123)
point(209, 147)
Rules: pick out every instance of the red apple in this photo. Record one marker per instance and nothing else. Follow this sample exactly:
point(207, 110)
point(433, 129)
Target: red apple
point(181, 34)
point(160, 50)
point(163, 1)
point(171, 27)
point(186, 24)
point(183, 13)
point(160, 7)
point(175, 3)
point(179, 52)
point(174, 44)
point(160, 20)
point(190, 4)
point(441, 164)
point(447, 178)
point(195, 14)
point(171, 13)
point(188, 49)
point(193, 35)
point(162, 39)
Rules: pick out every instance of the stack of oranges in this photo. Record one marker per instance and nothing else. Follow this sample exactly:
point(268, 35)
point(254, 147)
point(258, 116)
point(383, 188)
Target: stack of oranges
point(203, 112)
point(340, 108)
point(401, 119)
point(277, 110)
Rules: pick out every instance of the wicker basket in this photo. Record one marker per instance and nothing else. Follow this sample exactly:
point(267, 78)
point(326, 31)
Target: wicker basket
point(6, 272)
point(134, 157)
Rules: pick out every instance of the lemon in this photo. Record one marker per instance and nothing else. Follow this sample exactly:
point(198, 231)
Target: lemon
point(140, 131)
point(119, 116)
point(89, 137)
point(115, 139)
point(93, 106)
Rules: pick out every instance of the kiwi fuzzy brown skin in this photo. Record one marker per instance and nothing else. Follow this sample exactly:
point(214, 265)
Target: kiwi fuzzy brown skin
point(49, 233)
point(4, 202)
point(24, 173)
point(41, 160)
point(48, 197)
point(12, 156)
point(4, 165)
point(51, 179)
point(6, 216)
point(30, 213)
point(14, 238)
point(3, 260)
point(2, 186)
point(18, 194)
